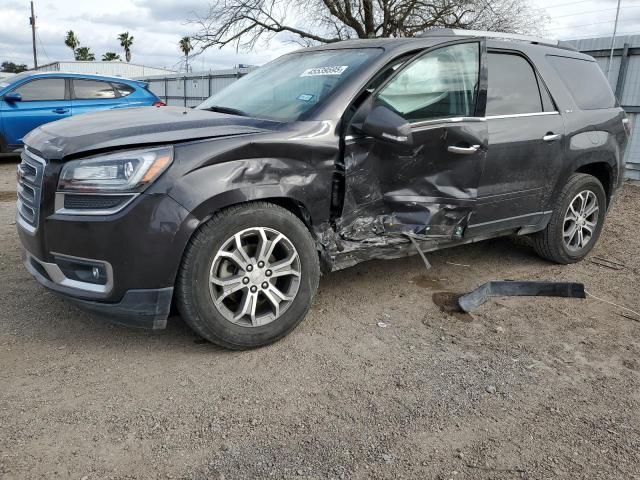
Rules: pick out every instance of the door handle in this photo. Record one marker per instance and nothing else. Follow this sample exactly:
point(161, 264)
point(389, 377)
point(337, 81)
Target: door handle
point(60, 110)
point(551, 137)
point(463, 150)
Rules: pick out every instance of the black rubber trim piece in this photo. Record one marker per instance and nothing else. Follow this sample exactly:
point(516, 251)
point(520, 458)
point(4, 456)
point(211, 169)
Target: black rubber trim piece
point(138, 308)
point(510, 288)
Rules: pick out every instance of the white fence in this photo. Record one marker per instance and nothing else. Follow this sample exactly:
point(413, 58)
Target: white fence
point(189, 90)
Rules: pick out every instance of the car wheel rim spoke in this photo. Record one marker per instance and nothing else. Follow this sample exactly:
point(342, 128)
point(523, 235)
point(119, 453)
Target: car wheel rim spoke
point(255, 276)
point(580, 220)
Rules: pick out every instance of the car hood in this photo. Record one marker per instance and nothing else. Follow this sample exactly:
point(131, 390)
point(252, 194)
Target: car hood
point(138, 126)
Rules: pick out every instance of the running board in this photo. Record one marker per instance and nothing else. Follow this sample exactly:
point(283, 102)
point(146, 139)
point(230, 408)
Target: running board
point(509, 288)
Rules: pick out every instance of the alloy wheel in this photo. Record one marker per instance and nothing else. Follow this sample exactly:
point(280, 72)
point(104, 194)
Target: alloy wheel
point(580, 220)
point(255, 276)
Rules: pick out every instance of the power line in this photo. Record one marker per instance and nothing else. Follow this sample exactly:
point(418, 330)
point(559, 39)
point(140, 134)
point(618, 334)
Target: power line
point(590, 24)
point(592, 11)
point(573, 3)
point(42, 45)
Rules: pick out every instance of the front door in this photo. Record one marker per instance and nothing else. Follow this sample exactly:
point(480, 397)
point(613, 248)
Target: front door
point(44, 100)
point(427, 189)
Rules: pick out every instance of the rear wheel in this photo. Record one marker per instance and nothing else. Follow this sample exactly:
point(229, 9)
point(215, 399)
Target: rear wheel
point(576, 221)
point(248, 276)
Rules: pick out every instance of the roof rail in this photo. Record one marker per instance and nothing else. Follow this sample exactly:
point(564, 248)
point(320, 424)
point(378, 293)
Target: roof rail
point(456, 32)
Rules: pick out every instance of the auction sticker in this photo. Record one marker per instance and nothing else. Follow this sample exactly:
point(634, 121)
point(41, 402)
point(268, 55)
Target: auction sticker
point(320, 71)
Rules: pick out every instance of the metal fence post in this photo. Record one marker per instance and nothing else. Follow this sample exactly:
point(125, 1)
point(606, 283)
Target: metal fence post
point(622, 72)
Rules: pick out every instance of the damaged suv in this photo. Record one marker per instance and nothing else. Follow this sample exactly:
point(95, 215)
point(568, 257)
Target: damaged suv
point(321, 159)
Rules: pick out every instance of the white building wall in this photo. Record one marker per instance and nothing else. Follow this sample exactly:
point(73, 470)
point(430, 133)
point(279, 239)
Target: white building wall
point(111, 69)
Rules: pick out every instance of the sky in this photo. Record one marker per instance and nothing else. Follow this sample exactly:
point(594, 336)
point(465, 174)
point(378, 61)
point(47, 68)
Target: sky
point(157, 26)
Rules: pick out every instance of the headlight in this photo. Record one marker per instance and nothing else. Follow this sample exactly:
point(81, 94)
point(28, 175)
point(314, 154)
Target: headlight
point(130, 171)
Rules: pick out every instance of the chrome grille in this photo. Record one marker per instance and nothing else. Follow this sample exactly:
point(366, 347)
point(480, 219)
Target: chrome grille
point(30, 174)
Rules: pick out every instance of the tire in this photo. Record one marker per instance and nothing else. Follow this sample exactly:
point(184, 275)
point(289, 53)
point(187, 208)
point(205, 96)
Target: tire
point(553, 243)
point(208, 271)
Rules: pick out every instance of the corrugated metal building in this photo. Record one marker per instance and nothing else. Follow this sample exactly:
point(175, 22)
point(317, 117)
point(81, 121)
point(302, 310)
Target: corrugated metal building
point(624, 77)
point(189, 90)
point(111, 69)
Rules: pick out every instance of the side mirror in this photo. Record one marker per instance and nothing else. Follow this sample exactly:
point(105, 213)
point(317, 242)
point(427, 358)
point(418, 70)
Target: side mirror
point(12, 97)
point(386, 124)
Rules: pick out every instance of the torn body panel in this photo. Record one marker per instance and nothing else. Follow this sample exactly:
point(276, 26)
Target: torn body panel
point(422, 190)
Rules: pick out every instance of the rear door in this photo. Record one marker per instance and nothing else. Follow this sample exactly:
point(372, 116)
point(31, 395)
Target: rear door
point(428, 189)
point(92, 95)
point(43, 100)
point(526, 135)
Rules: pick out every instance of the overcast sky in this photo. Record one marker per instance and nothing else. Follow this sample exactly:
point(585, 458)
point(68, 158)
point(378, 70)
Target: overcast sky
point(157, 25)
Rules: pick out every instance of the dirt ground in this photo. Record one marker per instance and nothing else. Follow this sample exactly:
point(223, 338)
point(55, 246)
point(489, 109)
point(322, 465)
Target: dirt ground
point(525, 388)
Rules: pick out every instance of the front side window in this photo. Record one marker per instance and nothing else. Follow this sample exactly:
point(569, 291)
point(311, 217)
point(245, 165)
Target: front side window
point(42, 90)
point(440, 84)
point(291, 85)
point(513, 86)
point(92, 90)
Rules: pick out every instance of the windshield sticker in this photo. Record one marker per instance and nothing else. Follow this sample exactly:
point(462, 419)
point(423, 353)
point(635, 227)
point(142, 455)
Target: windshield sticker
point(321, 71)
point(305, 97)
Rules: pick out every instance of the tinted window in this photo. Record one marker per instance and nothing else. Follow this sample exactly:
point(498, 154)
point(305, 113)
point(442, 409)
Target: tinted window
point(585, 81)
point(45, 89)
point(124, 89)
point(513, 87)
point(93, 89)
point(440, 84)
point(547, 102)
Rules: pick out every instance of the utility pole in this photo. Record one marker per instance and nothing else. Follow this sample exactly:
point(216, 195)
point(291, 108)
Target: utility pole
point(613, 40)
point(32, 20)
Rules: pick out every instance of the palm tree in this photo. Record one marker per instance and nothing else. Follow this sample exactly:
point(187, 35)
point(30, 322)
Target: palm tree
point(72, 41)
point(185, 46)
point(126, 41)
point(84, 54)
point(110, 57)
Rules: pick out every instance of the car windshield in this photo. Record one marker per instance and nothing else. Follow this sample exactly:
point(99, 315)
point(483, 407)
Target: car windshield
point(291, 85)
point(5, 82)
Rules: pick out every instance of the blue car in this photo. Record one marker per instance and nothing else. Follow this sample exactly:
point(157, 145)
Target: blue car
point(29, 100)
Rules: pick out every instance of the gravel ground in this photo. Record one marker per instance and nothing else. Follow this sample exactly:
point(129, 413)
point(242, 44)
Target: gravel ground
point(524, 388)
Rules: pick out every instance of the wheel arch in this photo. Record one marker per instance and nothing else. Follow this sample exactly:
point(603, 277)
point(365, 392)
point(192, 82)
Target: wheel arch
point(604, 172)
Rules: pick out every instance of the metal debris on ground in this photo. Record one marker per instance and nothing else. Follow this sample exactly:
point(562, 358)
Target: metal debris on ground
point(510, 288)
point(604, 262)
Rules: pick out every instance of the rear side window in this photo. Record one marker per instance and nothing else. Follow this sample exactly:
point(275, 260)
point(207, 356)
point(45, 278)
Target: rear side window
point(124, 89)
point(39, 90)
point(586, 82)
point(93, 90)
point(513, 86)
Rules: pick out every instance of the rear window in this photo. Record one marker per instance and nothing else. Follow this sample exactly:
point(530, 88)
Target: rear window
point(586, 82)
point(124, 89)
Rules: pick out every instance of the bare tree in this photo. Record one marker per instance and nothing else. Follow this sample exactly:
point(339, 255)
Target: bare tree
point(242, 23)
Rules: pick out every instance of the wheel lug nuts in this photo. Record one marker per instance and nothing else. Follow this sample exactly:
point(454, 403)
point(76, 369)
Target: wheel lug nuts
point(268, 273)
point(254, 289)
point(249, 268)
point(265, 285)
point(245, 280)
point(260, 264)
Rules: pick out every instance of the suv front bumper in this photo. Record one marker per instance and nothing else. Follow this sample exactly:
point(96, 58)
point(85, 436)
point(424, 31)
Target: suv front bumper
point(142, 308)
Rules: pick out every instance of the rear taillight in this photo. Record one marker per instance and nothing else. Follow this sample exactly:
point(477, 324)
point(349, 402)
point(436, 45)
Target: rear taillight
point(159, 104)
point(627, 126)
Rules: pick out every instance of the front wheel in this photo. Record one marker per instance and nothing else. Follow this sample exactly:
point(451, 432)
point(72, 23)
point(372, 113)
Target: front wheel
point(248, 276)
point(576, 222)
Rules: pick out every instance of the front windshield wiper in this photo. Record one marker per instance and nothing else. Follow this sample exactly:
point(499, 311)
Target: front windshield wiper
point(229, 110)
